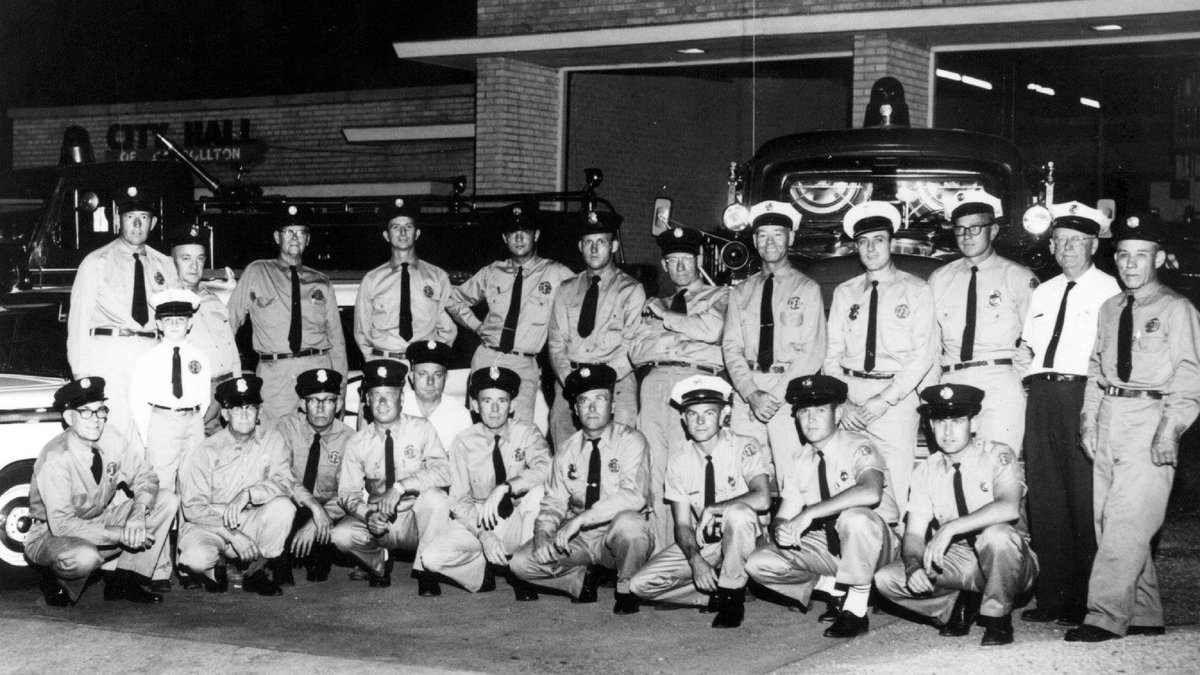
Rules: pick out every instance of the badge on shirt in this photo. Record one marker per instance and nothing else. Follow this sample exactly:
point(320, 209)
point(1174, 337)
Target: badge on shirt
point(749, 450)
point(335, 456)
point(317, 295)
point(902, 311)
point(845, 476)
point(428, 291)
point(545, 288)
point(863, 451)
point(983, 486)
point(794, 302)
point(854, 312)
point(158, 278)
point(572, 472)
point(194, 367)
point(994, 298)
point(410, 452)
point(613, 465)
point(519, 455)
point(1153, 325)
point(1033, 282)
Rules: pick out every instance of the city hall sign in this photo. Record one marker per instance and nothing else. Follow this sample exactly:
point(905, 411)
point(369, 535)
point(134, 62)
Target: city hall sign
point(203, 141)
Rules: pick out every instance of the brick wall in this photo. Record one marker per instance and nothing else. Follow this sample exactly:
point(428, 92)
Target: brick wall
point(303, 134)
point(877, 55)
point(518, 122)
point(505, 17)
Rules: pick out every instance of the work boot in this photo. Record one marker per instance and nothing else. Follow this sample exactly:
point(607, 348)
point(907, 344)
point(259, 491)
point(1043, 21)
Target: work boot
point(119, 586)
point(997, 630)
point(848, 625)
point(966, 608)
point(428, 585)
point(731, 607)
point(626, 603)
point(587, 593)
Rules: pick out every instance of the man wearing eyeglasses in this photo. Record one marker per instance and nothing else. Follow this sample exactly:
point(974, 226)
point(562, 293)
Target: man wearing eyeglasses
point(77, 525)
point(981, 302)
point(1059, 333)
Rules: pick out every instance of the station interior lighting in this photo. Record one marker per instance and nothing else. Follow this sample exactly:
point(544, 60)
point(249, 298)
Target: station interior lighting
point(1090, 102)
point(690, 50)
point(976, 82)
point(1108, 27)
point(949, 75)
point(1040, 89)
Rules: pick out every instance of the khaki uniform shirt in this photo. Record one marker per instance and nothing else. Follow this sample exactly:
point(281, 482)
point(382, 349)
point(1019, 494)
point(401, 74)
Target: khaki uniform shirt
point(417, 452)
point(985, 466)
point(847, 456)
point(103, 295)
point(906, 332)
point(265, 294)
point(1002, 292)
point(736, 460)
point(539, 283)
point(298, 437)
point(694, 337)
point(800, 333)
point(624, 478)
point(618, 314)
point(213, 474)
point(526, 463)
point(377, 309)
point(212, 334)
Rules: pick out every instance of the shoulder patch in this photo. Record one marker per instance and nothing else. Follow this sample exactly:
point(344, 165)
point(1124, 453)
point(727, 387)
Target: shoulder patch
point(863, 451)
point(1033, 282)
point(1005, 458)
point(749, 450)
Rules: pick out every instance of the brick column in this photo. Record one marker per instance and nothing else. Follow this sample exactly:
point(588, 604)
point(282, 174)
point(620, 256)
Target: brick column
point(878, 55)
point(518, 127)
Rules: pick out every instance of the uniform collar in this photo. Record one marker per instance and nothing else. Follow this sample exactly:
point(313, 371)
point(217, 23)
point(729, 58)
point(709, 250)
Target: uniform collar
point(127, 249)
point(947, 462)
point(883, 276)
point(1145, 293)
point(605, 438)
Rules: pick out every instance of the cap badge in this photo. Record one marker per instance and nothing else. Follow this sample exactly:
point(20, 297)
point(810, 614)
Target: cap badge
point(242, 387)
point(678, 233)
point(585, 372)
point(946, 393)
point(292, 210)
point(381, 371)
point(195, 231)
point(494, 373)
point(516, 211)
point(431, 344)
point(1073, 209)
point(962, 196)
point(86, 383)
point(768, 207)
point(399, 203)
point(1132, 222)
point(132, 192)
point(806, 383)
point(592, 218)
point(322, 376)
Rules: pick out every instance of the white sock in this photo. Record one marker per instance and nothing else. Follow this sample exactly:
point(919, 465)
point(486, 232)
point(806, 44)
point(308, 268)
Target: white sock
point(856, 600)
point(828, 585)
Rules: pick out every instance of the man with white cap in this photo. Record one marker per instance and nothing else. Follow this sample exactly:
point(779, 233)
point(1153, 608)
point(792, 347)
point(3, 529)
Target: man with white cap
point(774, 332)
point(882, 341)
point(680, 337)
point(717, 485)
point(981, 300)
point(1060, 330)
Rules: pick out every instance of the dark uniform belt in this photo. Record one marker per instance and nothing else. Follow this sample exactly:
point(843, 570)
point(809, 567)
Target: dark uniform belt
point(189, 409)
point(975, 364)
point(299, 354)
point(512, 352)
point(868, 376)
point(576, 365)
point(777, 368)
point(1054, 377)
point(388, 355)
point(218, 379)
point(1133, 393)
point(125, 332)
point(711, 370)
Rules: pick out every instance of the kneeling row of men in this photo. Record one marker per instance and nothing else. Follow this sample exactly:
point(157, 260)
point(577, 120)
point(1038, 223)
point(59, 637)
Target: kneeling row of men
point(261, 499)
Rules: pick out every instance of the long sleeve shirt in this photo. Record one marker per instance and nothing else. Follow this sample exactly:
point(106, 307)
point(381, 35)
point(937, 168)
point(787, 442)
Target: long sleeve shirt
point(618, 313)
point(377, 309)
point(150, 383)
point(213, 474)
point(526, 457)
point(800, 331)
point(1166, 355)
point(416, 450)
point(694, 337)
point(264, 293)
point(102, 297)
point(1080, 322)
point(624, 479)
point(1002, 295)
point(906, 334)
point(64, 494)
point(540, 281)
point(212, 334)
point(737, 460)
point(298, 437)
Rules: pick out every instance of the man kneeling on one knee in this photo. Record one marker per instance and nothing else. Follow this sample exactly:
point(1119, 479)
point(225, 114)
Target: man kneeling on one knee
point(969, 496)
point(833, 529)
point(591, 514)
point(716, 485)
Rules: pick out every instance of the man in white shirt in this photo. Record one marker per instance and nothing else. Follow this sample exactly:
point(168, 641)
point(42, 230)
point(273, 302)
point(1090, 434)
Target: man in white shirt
point(430, 361)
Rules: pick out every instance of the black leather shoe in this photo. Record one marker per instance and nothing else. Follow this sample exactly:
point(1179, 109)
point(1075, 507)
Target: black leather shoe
point(626, 603)
point(732, 608)
point(317, 572)
point(833, 609)
point(714, 604)
point(135, 593)
point(428, 586)
point(1145, 630)
point(523, 590)
point(380, 580)
point(1040, 615)
point(1089, 633)
point(997, 630)
point(160, 586)
point(489, 579)
point(281, 571)
point(1071, 617)
point(966, 608)
point(55, 595)
point(218, 585)
point(587, 593)
point(262, 583)
point(848, 625)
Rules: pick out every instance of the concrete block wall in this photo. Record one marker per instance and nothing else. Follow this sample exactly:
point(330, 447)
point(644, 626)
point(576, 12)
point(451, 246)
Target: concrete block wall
point(303, 133)
point(877, 55)
point(518, 124)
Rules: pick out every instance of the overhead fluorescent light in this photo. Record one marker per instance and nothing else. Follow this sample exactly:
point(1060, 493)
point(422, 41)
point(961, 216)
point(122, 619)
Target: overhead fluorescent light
point(1090, 102)
point(976, 82)
point(949, 75)
point(1040, 89)
point(691, 50)
point(1107, 27)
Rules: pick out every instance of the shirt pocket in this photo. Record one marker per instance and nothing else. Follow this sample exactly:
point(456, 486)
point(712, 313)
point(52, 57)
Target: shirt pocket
point(537, 310)
point(381, 313)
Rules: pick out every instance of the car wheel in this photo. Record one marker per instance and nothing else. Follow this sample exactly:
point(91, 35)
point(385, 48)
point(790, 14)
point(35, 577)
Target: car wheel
point(14, 513)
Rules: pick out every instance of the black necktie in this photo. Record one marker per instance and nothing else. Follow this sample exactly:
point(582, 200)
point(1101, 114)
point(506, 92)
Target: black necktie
point(389, 461)
point(498, 463)
point(1048, 359)
point(176, 374)
point(1125, 341)
point(97, 465)
point(710, 483)
point(509, 334)
point(405, 303)
point(873, 309)
point(593, 479)
point(587, 313)
point(139, 311)
point(766, 325)
point(294, 330)
point(679, 303)
point(960, 502)
point(832, 540)
point(310, 467)
point(967, 351)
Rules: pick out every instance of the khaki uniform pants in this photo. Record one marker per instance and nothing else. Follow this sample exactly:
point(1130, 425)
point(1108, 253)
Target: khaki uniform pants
point(623, 545)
